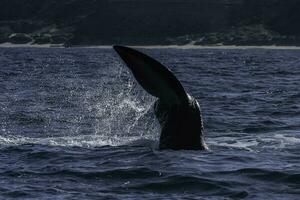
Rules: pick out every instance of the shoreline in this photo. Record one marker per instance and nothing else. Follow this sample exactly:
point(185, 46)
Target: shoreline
point(28, 45)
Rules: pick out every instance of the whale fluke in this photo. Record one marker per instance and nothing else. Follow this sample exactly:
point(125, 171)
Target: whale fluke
point(154, 77)
point(178, 113)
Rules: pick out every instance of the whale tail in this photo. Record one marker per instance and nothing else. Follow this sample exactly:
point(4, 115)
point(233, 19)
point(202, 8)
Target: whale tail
point(178, 113)
point(154, 77)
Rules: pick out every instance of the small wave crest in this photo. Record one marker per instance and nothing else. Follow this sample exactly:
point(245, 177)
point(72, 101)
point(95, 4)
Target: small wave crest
point(253, 142)
point(76, 141)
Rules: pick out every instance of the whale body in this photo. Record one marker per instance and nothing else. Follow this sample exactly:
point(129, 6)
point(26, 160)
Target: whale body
point(178, 113)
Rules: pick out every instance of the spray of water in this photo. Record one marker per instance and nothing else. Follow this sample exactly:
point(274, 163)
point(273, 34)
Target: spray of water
point(113, 111)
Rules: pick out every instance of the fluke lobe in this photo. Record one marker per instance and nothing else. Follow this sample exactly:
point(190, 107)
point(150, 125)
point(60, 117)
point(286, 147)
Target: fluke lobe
point(177, 112)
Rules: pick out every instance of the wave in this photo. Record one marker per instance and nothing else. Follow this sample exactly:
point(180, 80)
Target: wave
point(276, 141)
point(78, 141)
point(254, 142)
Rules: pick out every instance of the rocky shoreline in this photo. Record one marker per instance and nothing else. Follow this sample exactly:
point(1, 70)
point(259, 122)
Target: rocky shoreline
point(150, 22)
point(242, 36)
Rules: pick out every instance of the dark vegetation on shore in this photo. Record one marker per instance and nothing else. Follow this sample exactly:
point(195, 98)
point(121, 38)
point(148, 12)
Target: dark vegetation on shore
point(150, 22)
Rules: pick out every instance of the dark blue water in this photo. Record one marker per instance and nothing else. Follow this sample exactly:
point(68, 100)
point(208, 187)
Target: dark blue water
point(75, 125)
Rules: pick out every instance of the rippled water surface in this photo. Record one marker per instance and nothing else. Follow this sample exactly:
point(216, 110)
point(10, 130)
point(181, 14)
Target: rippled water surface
point(74, 124)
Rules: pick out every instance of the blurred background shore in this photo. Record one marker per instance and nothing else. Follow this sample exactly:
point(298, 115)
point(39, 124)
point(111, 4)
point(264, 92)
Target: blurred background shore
point(150, 22)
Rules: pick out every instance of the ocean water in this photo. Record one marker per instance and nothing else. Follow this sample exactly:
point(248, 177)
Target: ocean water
point(74, 124)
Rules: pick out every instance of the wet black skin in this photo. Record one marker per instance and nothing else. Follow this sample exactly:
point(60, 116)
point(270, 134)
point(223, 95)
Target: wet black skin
point(181, 126)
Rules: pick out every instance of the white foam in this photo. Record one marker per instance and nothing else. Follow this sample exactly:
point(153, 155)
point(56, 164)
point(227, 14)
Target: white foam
point(256, 142)
point(79, 141)
point(288, 138)
point(29, 45)
point(233, 142)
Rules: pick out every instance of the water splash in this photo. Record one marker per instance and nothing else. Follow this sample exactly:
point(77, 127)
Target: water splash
point(74, 141)
point(109, 108)
point(121, 108)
